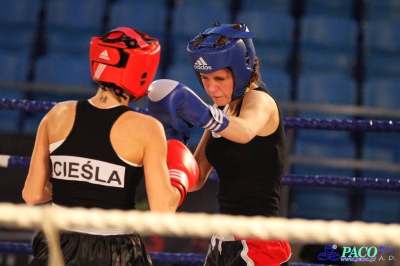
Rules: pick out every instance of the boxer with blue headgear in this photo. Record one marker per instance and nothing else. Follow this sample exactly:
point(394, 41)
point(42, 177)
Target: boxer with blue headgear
point(244, 140)
point(237, 53)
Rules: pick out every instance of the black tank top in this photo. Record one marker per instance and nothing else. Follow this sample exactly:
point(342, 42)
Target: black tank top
point(86, 170)
point(250, 174)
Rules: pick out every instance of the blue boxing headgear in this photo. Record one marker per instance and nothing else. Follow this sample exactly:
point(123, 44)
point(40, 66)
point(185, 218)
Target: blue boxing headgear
point(237, 53)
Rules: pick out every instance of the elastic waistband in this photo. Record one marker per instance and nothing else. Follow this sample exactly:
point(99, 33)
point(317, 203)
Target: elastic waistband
point(225, 237)
point(94, 231)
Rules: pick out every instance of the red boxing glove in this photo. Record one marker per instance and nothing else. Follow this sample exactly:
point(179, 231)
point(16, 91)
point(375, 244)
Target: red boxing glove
point(183, 168)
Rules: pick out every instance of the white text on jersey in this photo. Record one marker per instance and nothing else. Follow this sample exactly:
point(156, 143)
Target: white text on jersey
point(88, 170)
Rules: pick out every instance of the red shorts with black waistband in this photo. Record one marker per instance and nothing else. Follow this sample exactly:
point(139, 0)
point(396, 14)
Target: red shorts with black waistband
point(227, 251)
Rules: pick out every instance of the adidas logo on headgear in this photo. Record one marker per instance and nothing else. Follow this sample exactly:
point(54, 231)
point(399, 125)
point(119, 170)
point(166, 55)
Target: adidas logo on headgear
point(104, 55)
point(201, 64)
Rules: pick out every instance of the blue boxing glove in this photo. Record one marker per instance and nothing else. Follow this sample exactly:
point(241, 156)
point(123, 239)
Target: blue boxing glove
point(175, 104)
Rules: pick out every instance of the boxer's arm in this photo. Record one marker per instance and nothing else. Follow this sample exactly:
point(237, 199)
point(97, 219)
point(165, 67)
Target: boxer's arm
point(161, 195)
point(37, 188)
point(259, 115)
point(205, 167)
point(170, 170)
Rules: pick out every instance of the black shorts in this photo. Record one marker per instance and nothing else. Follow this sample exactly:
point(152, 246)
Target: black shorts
point(249, 252)
point(86, 250)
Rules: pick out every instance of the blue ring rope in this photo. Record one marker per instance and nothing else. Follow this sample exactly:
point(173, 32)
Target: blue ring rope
point(288, 179)
point(290, 122)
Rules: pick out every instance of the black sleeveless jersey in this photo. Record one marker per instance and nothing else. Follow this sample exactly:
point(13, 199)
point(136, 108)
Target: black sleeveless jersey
point(250, 174)
point(86, 170)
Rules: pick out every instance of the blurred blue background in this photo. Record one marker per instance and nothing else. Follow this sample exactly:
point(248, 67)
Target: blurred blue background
point(328, 55)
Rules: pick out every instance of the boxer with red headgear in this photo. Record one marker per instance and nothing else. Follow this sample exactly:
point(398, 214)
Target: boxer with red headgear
point(124, 59)
point(97, 151)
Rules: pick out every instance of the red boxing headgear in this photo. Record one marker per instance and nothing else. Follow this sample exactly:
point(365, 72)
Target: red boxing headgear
point(125, 57)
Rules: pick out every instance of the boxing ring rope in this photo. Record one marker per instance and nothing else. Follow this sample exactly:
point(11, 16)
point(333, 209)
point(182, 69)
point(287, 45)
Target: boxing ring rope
point(204, 225)
point(201, 225)
point(10, 161)
point(290, 122)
